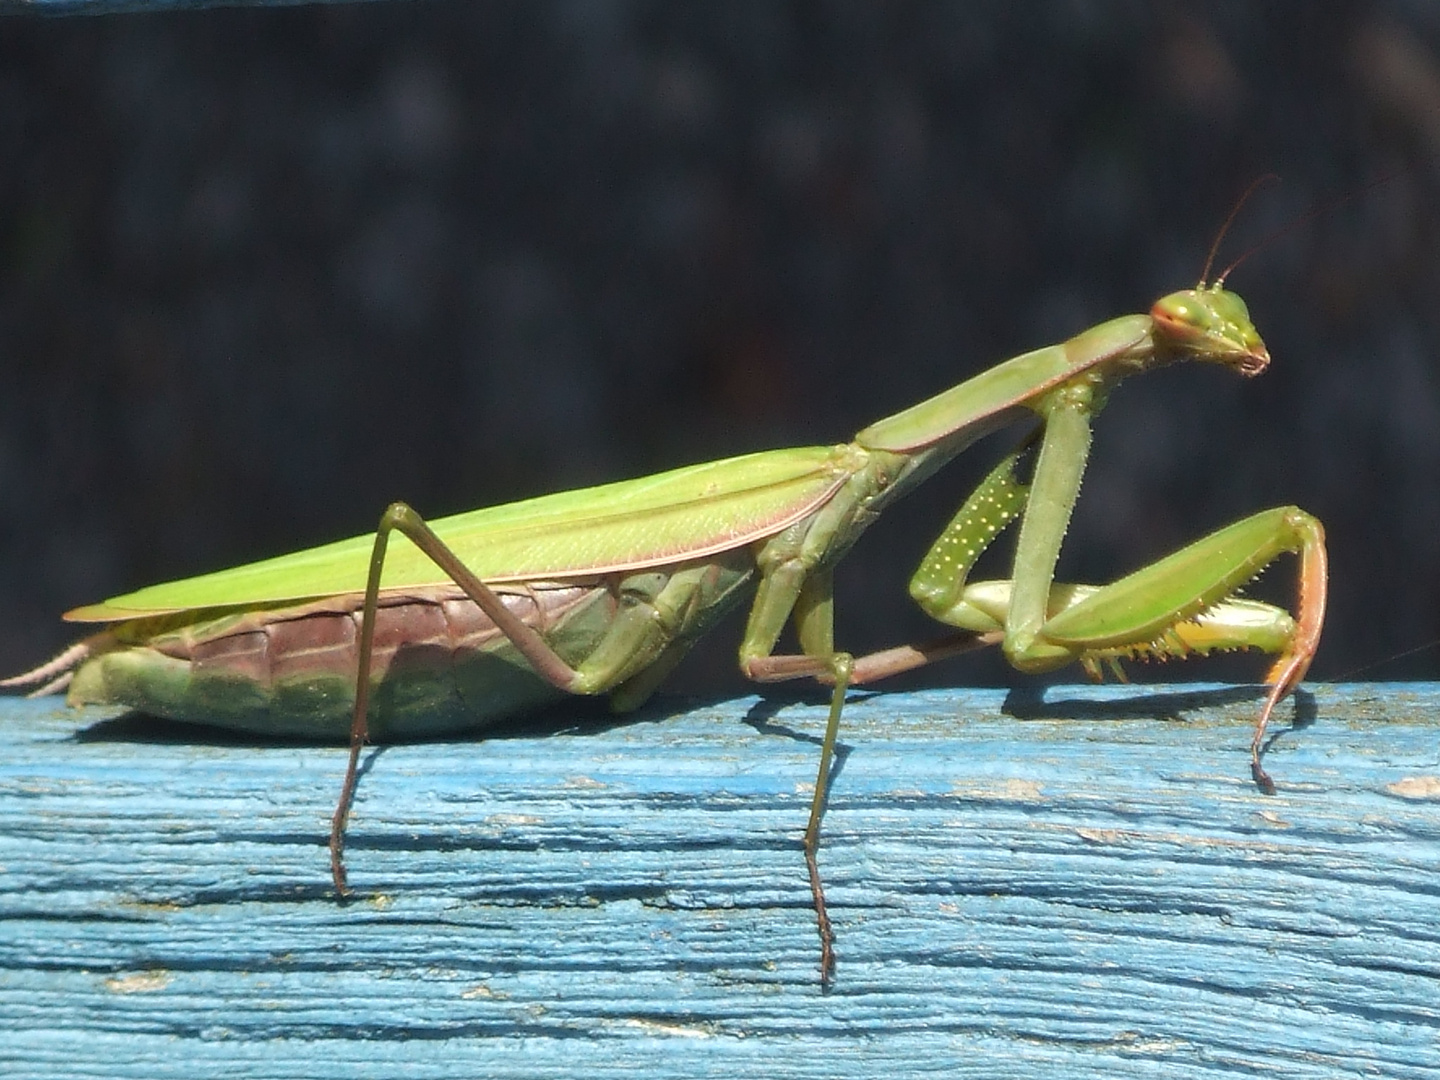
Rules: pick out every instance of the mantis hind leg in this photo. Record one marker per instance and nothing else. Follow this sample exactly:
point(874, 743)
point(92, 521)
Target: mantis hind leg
point(527, 639)
point(660, 614)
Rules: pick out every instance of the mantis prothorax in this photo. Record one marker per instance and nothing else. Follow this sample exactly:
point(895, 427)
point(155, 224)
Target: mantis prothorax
point(462, 622)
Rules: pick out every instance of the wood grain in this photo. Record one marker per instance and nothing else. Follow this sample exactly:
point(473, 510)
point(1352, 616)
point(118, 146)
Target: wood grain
point(1079, 883)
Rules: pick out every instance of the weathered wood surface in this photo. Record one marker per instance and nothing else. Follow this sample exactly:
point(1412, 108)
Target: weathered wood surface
point(1084, 884)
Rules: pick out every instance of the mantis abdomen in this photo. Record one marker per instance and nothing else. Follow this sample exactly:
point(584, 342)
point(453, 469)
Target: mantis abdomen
point(440, 664)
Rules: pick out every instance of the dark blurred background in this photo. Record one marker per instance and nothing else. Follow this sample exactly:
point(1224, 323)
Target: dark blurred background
point(263, 271)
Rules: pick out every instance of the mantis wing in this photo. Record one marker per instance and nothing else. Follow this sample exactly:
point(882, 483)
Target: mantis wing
point(686, 513)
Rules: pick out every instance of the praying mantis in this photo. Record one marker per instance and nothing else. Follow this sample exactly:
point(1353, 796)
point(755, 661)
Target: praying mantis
point(426, 628)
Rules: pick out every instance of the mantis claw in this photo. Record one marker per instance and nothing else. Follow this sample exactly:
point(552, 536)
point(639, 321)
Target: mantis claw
point(1292, 666)
point(1260, 776)
point(822, 917)
point(1257, 741)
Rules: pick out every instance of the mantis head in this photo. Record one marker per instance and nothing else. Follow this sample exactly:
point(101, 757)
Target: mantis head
point(1210, 323)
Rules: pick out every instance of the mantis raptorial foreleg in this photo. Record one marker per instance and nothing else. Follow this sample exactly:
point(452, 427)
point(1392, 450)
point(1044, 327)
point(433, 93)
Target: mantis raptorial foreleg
point(1182, 604)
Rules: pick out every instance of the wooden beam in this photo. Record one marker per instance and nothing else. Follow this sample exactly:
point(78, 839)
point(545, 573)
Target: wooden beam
point(1082, 882)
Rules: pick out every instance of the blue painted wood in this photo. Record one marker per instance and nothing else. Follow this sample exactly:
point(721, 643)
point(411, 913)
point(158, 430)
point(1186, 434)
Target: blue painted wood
point(1080, 884)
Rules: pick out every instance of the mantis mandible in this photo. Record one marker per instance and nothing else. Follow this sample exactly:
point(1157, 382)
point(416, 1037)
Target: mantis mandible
point(471, 619)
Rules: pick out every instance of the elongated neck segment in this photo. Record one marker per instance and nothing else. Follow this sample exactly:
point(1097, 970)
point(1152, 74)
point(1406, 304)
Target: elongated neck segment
point(927, 435)
point(991, 398)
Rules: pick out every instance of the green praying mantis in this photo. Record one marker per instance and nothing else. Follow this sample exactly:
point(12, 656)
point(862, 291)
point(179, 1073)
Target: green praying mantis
point(461, 622)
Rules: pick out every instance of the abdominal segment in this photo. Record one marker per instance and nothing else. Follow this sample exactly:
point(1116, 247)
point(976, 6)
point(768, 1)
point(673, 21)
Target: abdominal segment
point(439, 664)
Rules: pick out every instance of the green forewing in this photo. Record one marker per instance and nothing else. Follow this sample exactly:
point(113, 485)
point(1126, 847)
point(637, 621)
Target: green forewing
point(682, 514)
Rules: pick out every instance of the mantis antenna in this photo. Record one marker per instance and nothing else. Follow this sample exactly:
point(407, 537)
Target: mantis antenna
point(1309, 215)
point(1255, 185)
